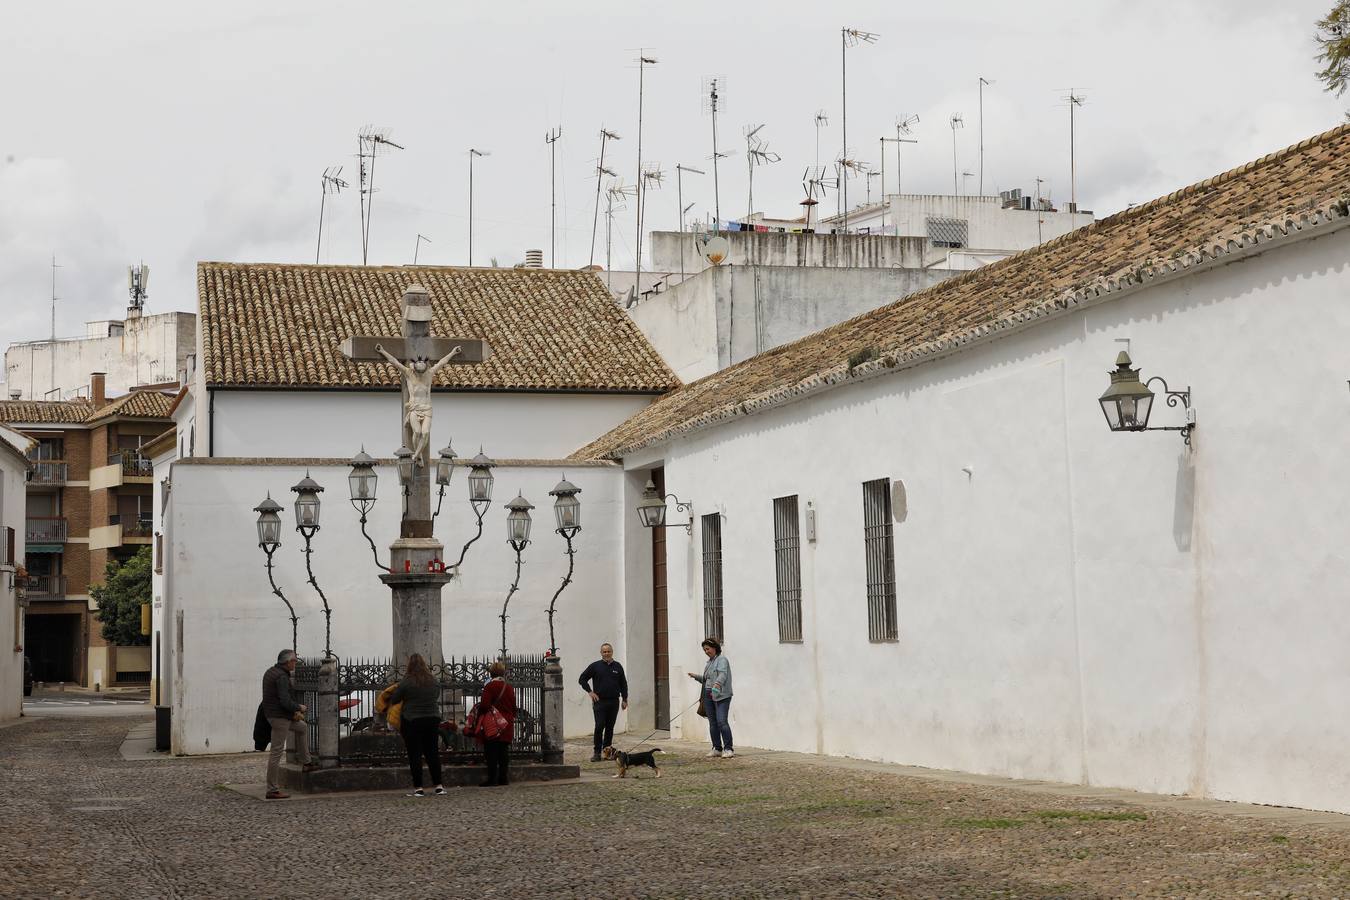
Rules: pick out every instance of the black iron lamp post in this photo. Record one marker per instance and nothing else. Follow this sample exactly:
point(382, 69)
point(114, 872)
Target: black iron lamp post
point(269, 539)
point(445, 468)
point(362, 481)
point(517, 535)
point(567, 513)
point(651, 509)
point(307, 504)
point(1127, 402)
point(480, 496)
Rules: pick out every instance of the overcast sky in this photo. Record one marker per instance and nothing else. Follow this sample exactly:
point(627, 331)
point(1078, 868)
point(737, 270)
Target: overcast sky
point(173, 132)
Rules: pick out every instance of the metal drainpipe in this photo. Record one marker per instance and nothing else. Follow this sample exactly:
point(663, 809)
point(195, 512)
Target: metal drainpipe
point(210, 422)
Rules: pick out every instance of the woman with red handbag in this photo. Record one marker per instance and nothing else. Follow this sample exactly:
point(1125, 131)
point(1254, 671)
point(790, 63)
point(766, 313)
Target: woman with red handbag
point(497, 724)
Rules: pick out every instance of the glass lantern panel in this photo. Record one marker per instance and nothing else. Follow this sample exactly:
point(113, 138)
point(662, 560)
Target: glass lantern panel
point(568, 511)
point(306, 513)
point(444, 467)
point(269, 529)
point(480, 486)
point(518, 527)
point(362, 483)
point(1112, 411)
point(1141, 411)
point(652, 516)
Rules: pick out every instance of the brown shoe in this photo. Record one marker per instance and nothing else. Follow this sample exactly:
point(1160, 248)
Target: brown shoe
point(277, 795)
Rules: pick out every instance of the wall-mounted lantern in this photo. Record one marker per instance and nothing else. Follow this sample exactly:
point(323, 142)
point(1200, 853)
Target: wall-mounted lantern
point(651, 509)
point(1128, 402)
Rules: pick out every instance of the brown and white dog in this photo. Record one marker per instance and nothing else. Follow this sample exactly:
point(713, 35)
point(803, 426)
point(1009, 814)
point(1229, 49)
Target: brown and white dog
point(628, 760)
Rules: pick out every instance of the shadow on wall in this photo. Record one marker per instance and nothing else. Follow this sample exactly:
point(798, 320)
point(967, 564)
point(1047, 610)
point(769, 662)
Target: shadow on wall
point(1183, 514)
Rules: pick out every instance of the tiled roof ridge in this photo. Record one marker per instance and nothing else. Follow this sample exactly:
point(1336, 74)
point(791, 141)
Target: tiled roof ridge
point(1130, 274)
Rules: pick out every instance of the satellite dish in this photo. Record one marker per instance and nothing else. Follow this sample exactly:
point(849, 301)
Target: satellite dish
point(713, 248)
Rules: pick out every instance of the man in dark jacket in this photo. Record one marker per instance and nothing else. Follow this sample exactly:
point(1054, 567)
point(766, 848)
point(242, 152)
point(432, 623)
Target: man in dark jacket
point(280, 710)
point(608, 687)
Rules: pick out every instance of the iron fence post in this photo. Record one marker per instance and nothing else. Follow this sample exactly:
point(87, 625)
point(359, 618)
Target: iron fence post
point(552, 736)
point(328, 713)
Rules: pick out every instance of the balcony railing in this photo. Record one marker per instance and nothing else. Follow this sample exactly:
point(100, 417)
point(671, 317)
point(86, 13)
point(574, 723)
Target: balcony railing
point(138, 528)
point(46, 587)
point(132, 462)
point(46, 530)
point(6, 545)
point(48, 472)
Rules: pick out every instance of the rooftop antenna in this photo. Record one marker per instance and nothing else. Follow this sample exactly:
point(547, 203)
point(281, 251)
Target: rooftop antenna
point(848, 37)
point(652, 178)
point(1039, 218)
point(617, 193)
point(902, 126)
point(983, 82)
point(552, 140)
point(472, 154)
point(757, 153)
point(600, 171)
point(643, 62)
point(138, 280)
point(680, 169)
point(846, 165)
point(956, 122)
point(417, 245)
point(712, 102)
point(964, 175)
point(821, 120)
point(369, 142)
point(870, 175)
point(331, 183)
point(1074, 101)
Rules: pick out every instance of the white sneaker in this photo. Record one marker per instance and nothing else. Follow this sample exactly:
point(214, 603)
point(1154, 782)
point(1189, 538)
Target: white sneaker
point(416, 793)
point(441, 792)
point(713, 754)
point(728, 754)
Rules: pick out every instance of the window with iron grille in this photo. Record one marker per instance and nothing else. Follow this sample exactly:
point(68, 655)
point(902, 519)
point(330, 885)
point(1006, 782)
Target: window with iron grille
point(787, 555)
point(948, 232)
point(712, 576)
point(879, 547)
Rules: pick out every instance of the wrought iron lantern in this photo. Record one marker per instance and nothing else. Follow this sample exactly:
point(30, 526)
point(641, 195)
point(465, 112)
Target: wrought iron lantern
point(362, 479)
point(445, 465)
point(518, 521)
point(651, 509)
point(480, 478)
point(566, 507)
point(307, 504)
point(1127, 402)
point(269, 524)
point(403, 461)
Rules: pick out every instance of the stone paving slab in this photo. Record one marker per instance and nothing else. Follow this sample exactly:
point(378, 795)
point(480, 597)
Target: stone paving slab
point(258, 790)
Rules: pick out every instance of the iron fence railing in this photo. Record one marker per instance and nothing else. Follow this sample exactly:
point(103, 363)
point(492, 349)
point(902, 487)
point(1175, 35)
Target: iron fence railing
point(46, 529)
point(46, 587)
point(133, 462)
point(364, 738)
point(47, 472)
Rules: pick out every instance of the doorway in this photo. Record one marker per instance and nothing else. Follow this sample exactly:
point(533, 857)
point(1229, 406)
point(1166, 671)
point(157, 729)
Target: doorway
point(52, 642)
point(660, 614)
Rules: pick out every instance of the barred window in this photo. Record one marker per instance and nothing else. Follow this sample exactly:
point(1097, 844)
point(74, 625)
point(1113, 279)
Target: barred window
point(787, 554)
point(879, 547)
point(712, 576)
point(944, 232)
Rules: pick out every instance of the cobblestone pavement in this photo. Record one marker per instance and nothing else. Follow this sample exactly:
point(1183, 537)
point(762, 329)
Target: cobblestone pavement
point(81, 822)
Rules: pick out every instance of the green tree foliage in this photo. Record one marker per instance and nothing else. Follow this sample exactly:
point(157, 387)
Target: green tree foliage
point(125, 587)
point(1333, 37)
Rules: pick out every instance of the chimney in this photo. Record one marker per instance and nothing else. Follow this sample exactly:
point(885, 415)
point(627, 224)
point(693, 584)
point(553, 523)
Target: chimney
point(534, 259)
point(96, 387)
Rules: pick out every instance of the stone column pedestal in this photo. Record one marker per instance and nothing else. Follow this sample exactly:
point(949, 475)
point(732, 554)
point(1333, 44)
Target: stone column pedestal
point(553, 710)
point(328, 713)
point(416, 599)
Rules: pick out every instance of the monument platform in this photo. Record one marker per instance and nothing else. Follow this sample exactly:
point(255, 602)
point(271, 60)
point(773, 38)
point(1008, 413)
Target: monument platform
point(387, 778)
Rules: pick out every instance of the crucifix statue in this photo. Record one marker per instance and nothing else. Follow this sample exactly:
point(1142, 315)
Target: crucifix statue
point(418, 356)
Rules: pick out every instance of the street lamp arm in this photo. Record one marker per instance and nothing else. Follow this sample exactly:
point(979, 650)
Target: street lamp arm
point(363, 507)
point(680, 507)
point(440, 498)
point(480, 508)
point(567, 534)
point(1173, 397)
point(327, 611)
point(295, 621)
point(518, 546)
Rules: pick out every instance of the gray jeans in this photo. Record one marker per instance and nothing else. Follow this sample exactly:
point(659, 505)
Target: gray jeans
point(299, 735)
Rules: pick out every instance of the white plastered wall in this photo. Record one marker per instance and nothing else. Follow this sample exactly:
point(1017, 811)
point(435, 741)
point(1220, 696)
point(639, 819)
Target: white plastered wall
point(1079, 605)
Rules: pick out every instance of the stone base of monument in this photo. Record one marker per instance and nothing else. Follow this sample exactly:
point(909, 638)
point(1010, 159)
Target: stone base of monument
point(388, 778)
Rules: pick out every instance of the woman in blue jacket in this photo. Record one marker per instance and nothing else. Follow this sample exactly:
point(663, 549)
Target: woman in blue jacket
point(716, 681)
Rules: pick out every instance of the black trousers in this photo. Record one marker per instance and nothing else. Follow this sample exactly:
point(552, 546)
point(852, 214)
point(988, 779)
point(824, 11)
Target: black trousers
point(606, 711)
point(419, 737)
point(498, 760)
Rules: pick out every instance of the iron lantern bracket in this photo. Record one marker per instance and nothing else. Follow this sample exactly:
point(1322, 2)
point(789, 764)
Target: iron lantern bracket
point(1175, 399)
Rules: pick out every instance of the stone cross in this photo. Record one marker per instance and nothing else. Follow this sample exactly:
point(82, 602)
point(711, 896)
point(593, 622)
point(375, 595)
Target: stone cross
point(418, 355)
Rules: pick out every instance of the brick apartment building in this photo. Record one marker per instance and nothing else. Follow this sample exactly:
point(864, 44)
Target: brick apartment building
point(89, 501)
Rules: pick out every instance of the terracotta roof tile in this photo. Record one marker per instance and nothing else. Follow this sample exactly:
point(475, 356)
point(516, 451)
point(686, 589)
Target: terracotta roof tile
point(271, 325)
point(56, 412)
point(1254, 203)
point(136, 405)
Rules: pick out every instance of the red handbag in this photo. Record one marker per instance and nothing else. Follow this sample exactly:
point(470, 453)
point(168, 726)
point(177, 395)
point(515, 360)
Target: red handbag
point(487, 724)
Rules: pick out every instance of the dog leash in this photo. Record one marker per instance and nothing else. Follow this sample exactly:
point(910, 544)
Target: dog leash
point(673, 718)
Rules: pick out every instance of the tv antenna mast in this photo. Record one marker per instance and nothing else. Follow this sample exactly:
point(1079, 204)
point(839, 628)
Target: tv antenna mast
point(417, 245)
point(983, 82)
point(757, 153)
point(616, 194)
point(1074, 100)
point(680, 169)
point(138, 280)
point(330, 183)
point(472, 154)
point(369, 142)
point(600, 171)
point(821, 121)
point(552, 140)
point(643, 62)
point(956, 122)
point(848, 37)
point(1039, 217)
point(712, 102)
point(902, 126)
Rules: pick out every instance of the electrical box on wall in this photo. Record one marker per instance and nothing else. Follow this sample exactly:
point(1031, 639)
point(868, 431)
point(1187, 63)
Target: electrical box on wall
point(810, 522)
point(899, 503)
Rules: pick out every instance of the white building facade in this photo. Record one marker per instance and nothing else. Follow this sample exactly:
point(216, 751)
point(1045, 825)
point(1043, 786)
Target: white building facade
point(14, 467)
point(1062, 602)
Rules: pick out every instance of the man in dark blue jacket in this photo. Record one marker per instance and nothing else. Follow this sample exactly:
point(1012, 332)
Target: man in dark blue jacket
point(608, 687)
